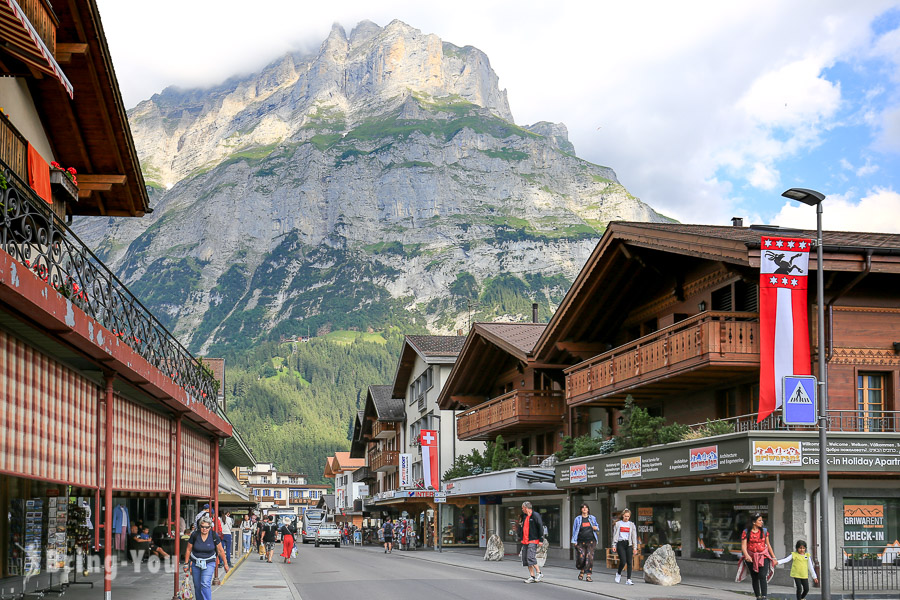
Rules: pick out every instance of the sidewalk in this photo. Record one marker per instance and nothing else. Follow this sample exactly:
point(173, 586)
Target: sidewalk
point(562, 573)
point(252, 578)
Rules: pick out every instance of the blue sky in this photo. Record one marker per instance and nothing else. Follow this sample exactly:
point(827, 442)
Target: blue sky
point(706, 110)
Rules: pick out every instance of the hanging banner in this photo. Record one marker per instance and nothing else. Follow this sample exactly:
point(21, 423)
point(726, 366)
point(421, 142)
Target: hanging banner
point(783, 320)
point(405, 470)
point(428, 439)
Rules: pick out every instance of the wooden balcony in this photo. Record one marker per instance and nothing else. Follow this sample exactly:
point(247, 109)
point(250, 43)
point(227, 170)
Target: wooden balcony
point(696, 352)
point(13, 148)
point(384, 460)
point(510, 413)
point(43, 19)
point(384, 430)
point(364, 475)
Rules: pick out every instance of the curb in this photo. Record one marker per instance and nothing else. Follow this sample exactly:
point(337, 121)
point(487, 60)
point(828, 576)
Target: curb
point(233, 569)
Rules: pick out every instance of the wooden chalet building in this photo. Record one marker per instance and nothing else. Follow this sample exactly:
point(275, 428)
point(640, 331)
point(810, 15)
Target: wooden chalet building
point(101, 408)
point(668, 315)
point(498, 389)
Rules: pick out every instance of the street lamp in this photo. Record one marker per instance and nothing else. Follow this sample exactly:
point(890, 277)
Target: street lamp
point(814, 198)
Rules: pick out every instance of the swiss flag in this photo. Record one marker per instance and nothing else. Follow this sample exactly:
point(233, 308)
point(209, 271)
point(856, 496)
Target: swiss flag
point(428, 440)
point(783, 321)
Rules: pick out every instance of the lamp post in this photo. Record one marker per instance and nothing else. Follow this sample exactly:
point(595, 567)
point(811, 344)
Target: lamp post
point(814, 198)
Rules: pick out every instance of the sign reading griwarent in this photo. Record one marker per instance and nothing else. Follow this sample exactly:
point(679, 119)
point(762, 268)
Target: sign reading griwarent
point(734, 453)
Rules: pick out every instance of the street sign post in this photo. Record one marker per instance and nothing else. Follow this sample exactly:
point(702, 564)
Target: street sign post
point(800, 400)
point(440, 497)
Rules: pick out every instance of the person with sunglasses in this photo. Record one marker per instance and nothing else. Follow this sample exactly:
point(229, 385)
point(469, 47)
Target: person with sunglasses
point(202, 548)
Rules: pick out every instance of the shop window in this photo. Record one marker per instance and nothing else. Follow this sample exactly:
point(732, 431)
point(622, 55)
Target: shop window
point(870, 391)
point(550, 514)
point(870, 525)
point(461, 527)
point(721, 299)
point(720, 524)
point(659, 524)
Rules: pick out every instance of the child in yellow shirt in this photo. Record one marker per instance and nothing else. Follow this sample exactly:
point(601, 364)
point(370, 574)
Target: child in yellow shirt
point(801, 569)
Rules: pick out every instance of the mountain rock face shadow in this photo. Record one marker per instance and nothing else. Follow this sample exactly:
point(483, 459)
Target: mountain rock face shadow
point(380, 182)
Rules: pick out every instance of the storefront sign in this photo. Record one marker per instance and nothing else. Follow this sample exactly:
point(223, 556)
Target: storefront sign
point(405, 470)
point(741, 452)
point(863, 522)
point(630, 467)
point(705, 458)
point(771, 453)
point(731, 455)
point(578, 474)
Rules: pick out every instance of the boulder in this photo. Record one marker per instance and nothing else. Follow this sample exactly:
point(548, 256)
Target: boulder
point(661, 569)
point(494, 548)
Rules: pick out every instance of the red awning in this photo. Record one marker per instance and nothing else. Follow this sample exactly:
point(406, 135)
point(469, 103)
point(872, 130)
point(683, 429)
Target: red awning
point(19, 38)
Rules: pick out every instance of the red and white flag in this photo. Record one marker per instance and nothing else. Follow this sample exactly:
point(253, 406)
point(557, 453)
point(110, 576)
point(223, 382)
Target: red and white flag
point(428, 440)
point(783, 317)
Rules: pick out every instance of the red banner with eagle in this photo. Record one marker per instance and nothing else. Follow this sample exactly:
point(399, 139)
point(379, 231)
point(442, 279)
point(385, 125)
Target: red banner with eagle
point(783, 317)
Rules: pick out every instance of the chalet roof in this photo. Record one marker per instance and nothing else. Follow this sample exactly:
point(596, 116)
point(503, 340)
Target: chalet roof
point(433, 349)
point(518, 336)
point(430, 346)
point(386, 407)
point(91, 131)
point(477, 366)
point(343, 462)
point(631, 254)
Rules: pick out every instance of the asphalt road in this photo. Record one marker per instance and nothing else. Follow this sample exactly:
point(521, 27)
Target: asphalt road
point(345, 573)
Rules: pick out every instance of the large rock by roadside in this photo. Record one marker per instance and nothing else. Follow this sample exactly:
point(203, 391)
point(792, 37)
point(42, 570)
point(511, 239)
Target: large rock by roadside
point(494, 548)
point(661, 569)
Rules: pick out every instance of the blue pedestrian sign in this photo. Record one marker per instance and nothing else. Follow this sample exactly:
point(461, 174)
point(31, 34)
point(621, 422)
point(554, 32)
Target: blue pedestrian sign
point(800, 400)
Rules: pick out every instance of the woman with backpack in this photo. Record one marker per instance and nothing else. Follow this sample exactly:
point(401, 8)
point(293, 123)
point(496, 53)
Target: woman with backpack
point(758, 557)
point(287, 542)
point(202, 548)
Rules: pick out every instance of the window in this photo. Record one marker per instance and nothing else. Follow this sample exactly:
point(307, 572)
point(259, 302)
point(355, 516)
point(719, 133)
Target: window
point(720, 524)
point(721, 299)
point(264, 479)
point(658, 523)
point(277, 494)
point(870, 388)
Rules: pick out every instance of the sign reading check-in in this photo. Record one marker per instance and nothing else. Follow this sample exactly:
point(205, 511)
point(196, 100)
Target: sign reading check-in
point(751, 451)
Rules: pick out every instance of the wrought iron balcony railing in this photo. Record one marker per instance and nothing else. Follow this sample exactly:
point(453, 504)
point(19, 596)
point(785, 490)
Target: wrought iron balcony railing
point(34, 236)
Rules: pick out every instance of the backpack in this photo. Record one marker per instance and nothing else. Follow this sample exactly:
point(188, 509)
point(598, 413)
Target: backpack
point(388, 529)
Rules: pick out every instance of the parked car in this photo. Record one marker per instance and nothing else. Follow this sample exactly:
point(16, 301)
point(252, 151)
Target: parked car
point(328, 533)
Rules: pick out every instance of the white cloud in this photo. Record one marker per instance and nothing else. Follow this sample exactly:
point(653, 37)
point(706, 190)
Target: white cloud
point(889, 136)
point(845, 164)
point(878, 211)
point(867, 169)
point(763, 177)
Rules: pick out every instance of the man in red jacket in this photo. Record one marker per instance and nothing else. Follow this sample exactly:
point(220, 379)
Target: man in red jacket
point(532, 529)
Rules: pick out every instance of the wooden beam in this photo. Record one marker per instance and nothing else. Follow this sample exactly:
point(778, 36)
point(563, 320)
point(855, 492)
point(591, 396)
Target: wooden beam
point(104, 179)
point(469, 400)
point(581, 347)
point(96, 187)
point(71, 48)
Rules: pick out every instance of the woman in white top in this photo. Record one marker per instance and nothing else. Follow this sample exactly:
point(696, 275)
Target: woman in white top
point(625, 538)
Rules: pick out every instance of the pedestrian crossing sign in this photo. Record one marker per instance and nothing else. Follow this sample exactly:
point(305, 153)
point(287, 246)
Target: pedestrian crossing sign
point(800, 400)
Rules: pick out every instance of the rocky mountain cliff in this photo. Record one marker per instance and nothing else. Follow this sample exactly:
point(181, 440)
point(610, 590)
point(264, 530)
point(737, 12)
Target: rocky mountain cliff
point(382, 181)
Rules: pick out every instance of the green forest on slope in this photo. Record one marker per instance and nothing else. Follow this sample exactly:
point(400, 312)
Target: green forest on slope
point(293, 402)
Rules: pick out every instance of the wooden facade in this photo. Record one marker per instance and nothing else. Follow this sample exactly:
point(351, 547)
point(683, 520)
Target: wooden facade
point(668, 315)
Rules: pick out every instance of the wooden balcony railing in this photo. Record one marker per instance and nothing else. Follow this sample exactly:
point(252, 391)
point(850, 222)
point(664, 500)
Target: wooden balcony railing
point(383, 430)
point(515, 411)
point(384, 460)
point(43, 20)
point(364, 474)
point(710, 338)
point(13, 148)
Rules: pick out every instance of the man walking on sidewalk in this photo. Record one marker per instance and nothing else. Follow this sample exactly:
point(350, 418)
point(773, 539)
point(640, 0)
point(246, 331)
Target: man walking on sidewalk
point(532, 530)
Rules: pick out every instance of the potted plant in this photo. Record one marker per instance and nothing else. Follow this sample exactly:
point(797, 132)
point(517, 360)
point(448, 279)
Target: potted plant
point(64, 181)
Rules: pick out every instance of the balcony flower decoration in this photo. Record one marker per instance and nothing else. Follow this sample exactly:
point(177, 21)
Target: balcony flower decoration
point(70, 173)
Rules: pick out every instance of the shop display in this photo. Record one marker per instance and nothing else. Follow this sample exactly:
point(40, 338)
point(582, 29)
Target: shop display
point(78, 534)
point(658, 524)
point(720, 524)
point(26, 525)
point(56, 546)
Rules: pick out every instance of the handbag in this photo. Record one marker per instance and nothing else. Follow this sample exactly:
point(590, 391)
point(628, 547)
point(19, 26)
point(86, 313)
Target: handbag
point(186, 591)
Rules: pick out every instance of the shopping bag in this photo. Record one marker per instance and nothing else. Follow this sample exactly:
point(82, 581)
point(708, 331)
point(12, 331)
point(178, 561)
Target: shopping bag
point(262, 549)
point(294, 552)
point(186, 592)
